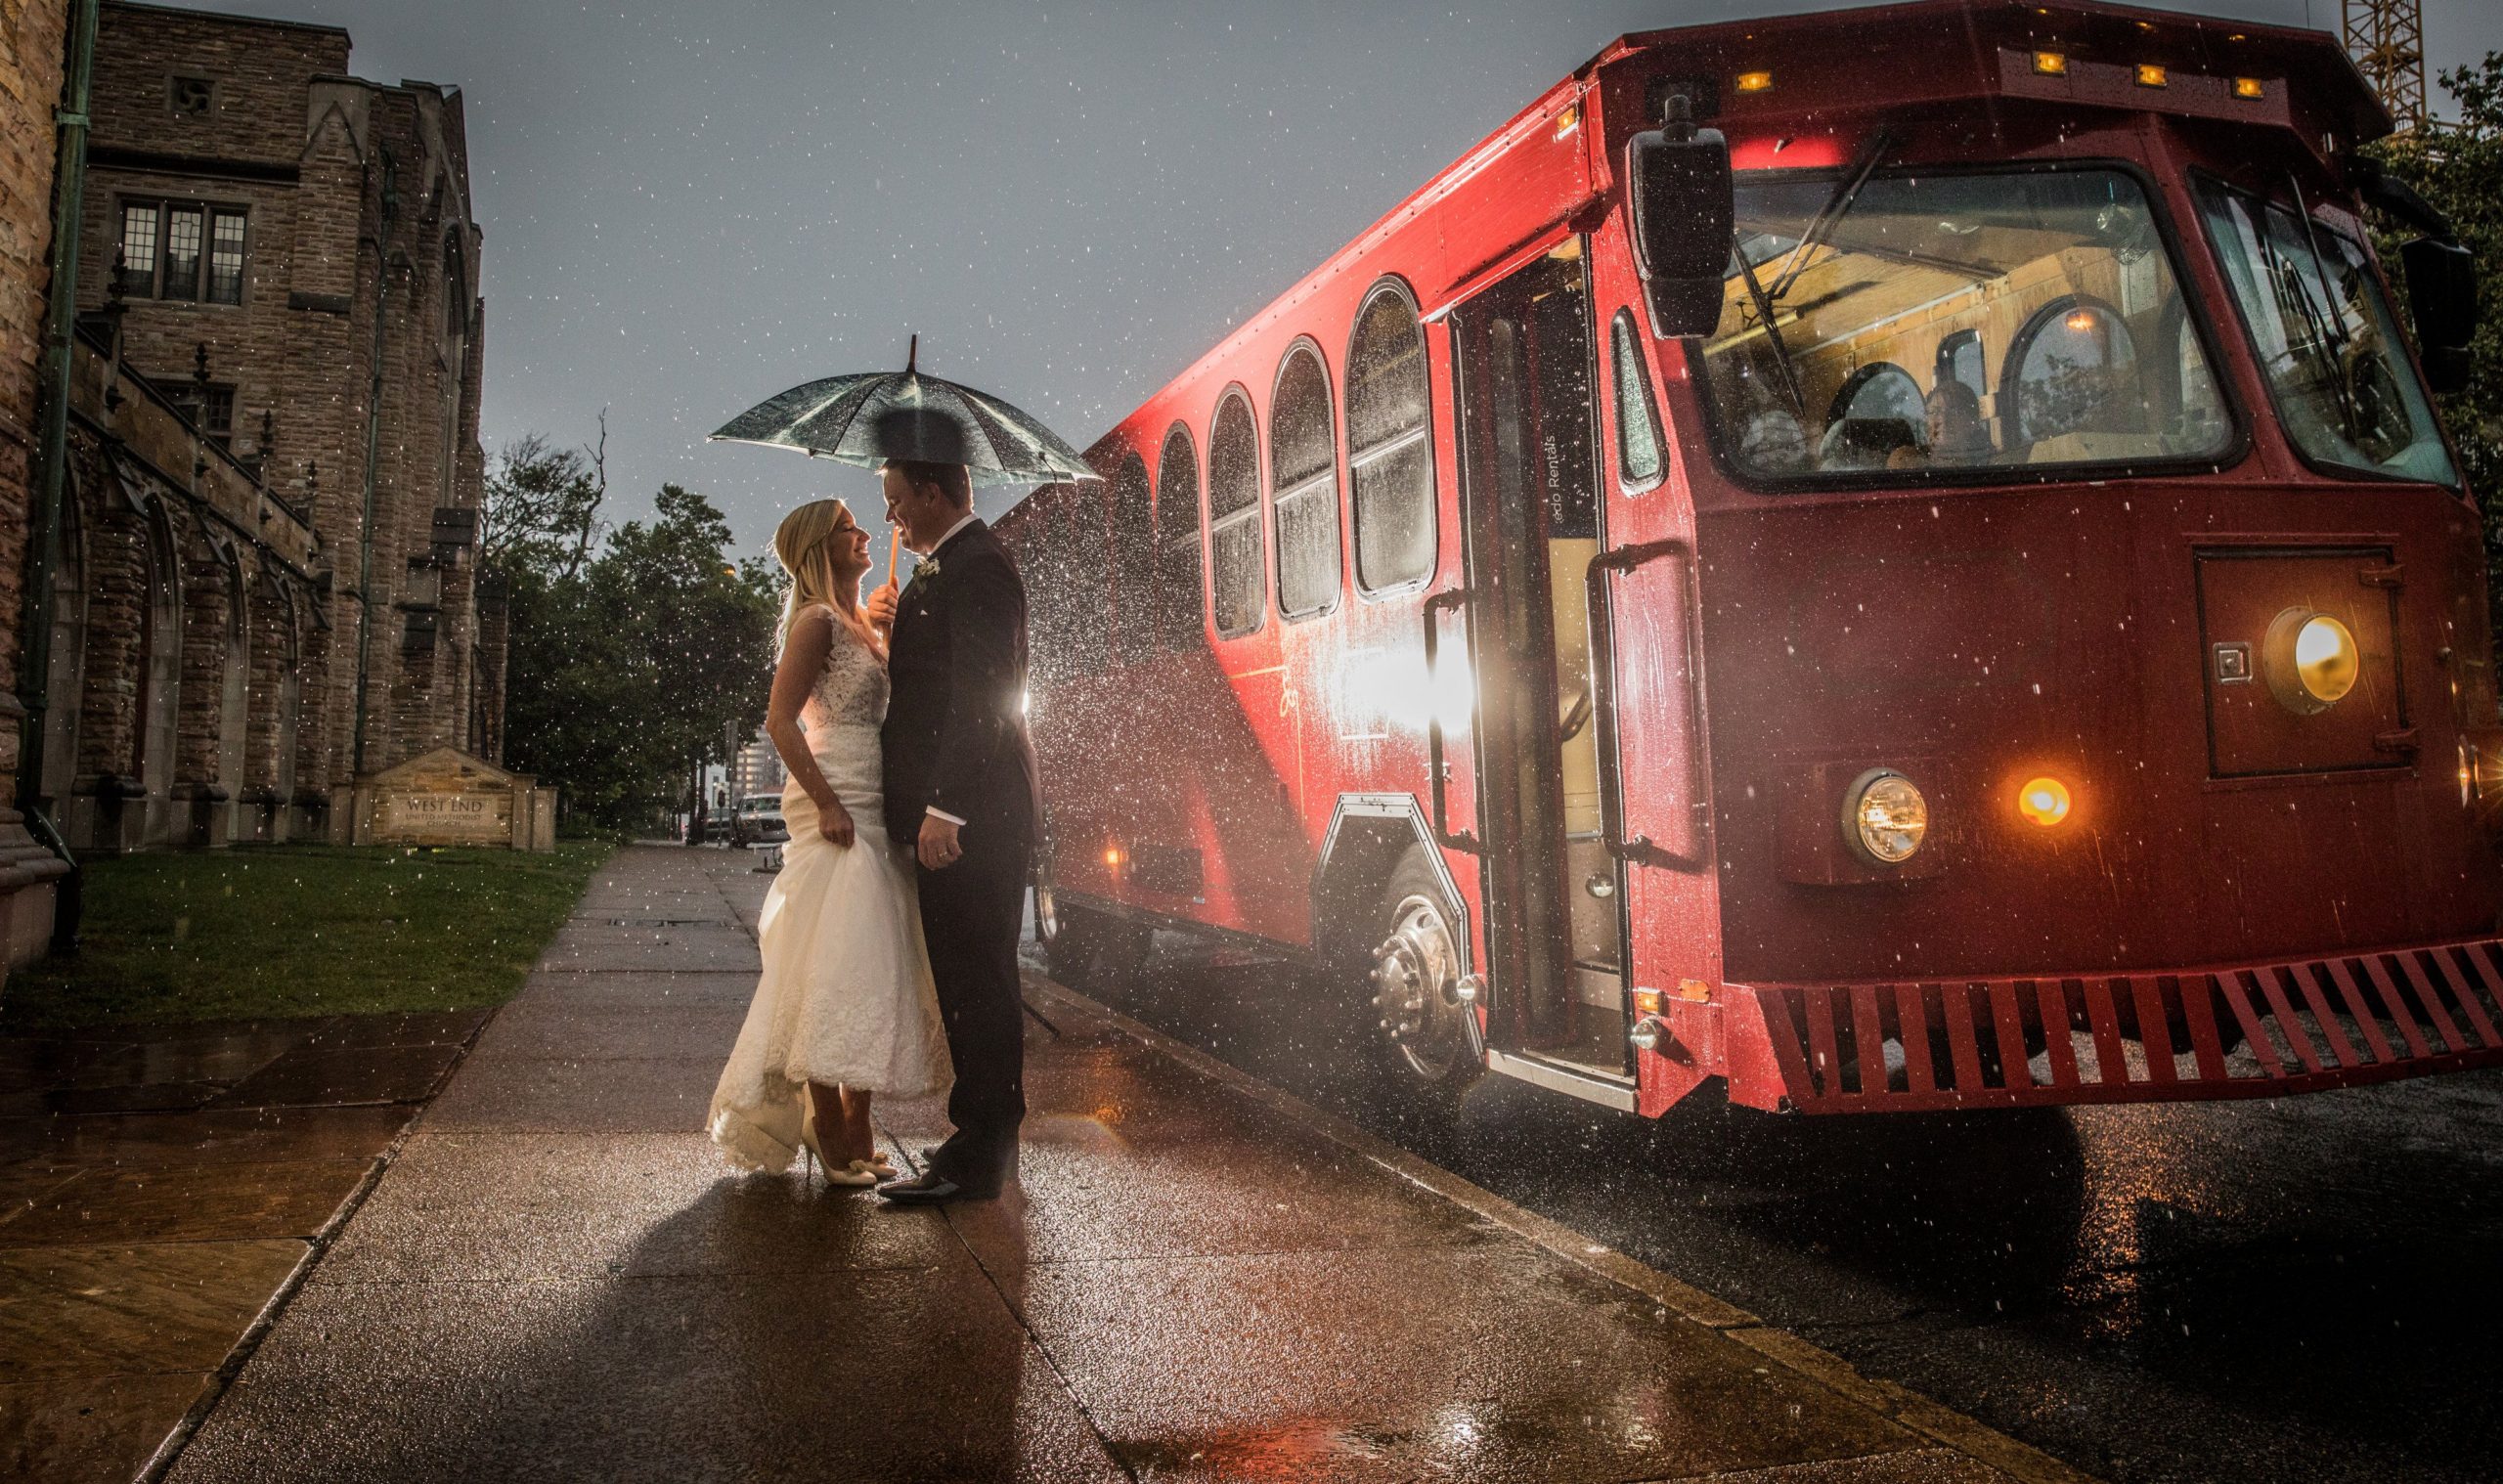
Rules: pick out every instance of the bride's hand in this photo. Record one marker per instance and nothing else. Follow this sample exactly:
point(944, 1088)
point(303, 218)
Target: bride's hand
point(881, 604)
point(834, 822)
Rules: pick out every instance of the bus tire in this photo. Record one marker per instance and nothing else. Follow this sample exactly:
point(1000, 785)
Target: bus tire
point(1095, 945)
point(1412, 972)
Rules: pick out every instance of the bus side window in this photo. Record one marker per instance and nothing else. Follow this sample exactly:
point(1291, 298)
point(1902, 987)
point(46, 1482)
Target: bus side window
point(1639, 465)
point(1236, 548)
point(1180, 600)
point(1391, 459)
point(1133, 563)
point(1303, 471)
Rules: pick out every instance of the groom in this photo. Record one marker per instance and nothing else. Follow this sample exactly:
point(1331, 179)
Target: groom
point(960, 781)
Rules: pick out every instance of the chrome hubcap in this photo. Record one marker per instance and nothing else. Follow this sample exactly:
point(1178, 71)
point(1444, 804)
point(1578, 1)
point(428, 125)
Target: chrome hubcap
point(1416, 972)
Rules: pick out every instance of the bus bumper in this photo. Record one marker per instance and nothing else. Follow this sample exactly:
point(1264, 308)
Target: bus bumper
point(2255, 1031)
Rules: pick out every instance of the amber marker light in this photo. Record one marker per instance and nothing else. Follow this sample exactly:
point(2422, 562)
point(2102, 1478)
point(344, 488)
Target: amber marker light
point(2052, 64)
point(1113, 857)
point(2043, 801)
point(1755, 82)
point(1568, 120)
point(2325, 658)
point(2080, 321)
point(2152, 76)
point(2249, 87)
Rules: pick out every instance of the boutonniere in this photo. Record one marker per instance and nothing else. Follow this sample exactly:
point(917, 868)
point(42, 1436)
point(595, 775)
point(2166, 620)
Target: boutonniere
point(927, 570)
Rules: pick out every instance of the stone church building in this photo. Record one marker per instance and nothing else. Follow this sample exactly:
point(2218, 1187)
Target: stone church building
point(262, 579)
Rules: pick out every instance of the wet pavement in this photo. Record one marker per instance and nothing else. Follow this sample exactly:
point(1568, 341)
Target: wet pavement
point(158, 1185)
point(558, 1277)
point(2260, 1291)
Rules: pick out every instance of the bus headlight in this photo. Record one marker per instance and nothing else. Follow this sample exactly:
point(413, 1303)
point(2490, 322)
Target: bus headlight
point(1884, 817)
point(2311, 660)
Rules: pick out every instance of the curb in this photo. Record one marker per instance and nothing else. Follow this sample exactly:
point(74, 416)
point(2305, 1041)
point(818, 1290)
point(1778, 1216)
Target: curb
point(1900, 1405)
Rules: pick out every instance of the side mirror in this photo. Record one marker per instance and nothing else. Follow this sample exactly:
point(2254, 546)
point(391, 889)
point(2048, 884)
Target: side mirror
point(2442, 293)
point(1683, 213)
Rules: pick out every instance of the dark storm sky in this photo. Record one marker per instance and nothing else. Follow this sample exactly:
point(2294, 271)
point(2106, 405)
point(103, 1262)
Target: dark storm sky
point(690, 207)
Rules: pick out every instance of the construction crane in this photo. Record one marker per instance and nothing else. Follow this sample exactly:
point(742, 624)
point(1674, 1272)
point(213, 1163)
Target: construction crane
point(2387, 39)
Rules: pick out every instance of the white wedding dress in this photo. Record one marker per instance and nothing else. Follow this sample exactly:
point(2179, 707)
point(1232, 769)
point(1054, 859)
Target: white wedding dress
point(846, 996)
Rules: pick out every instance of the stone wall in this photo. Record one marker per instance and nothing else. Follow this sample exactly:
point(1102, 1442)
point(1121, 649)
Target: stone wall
point(33, 43)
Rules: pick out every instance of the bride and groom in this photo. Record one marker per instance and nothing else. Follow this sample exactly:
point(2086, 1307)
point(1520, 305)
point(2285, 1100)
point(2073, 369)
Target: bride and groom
point(890, 936)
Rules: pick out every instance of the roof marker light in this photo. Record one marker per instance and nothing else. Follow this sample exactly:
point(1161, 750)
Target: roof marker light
point(2151, 76)
point(2052, 64)
point(1568, 120)
point(2249, 87)
point(1755, 82)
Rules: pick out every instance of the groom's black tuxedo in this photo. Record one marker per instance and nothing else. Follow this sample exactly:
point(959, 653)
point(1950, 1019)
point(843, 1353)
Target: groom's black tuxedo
point(955, 741)
point(954, 736)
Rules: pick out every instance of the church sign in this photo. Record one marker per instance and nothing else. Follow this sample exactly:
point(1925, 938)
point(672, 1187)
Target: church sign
point(445, 797)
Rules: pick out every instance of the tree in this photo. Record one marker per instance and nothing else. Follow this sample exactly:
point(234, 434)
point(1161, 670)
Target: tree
point(542, 508)
point(2459, 170)
point(630, 648)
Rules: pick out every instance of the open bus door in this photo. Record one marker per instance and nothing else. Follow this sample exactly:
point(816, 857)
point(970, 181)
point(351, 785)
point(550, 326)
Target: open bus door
point(1523, 381)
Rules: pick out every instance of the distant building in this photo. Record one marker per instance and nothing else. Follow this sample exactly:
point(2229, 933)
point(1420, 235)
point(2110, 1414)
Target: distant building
point(267, 241)
point(757, 769)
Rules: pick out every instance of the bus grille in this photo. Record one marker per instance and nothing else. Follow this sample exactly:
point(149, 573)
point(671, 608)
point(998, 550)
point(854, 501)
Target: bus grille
point(2254, 1031)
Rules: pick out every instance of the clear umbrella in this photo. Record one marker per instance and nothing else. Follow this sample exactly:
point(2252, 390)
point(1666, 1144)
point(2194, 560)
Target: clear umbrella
point(872, 416)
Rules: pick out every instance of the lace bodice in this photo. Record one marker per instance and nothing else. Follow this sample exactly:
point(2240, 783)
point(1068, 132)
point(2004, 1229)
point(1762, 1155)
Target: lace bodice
point(850, 691)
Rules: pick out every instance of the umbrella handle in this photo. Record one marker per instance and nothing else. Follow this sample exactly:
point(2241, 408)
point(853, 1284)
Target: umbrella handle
point(912, 355)
point(895, 541)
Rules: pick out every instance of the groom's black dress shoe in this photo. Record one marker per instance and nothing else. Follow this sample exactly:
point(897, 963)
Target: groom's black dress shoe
point(930, 1188)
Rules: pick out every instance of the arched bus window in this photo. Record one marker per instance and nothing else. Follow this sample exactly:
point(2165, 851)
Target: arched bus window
point(1180, 600)
point(2069, 372)
point(1304, 468)
point(1391, 460)
point(1086, 561)
point(1238, 580)
point(1877, 411)
point(1134, 561)
point(1639, 465)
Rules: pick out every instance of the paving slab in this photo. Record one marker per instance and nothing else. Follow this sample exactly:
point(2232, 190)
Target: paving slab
point(220, 1136)
point(91, 1427)
point(190, 1204)
point(334, 1076)
point(123, 1309)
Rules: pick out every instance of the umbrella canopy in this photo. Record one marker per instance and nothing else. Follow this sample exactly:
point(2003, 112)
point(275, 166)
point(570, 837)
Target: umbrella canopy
point(873, 417)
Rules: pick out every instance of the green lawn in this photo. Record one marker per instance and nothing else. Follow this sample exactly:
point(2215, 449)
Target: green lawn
point(301, 930)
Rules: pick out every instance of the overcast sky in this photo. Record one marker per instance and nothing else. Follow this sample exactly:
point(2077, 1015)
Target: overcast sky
point(690, 207)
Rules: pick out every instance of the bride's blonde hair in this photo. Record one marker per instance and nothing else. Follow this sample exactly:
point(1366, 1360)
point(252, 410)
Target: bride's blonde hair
point(804, 545)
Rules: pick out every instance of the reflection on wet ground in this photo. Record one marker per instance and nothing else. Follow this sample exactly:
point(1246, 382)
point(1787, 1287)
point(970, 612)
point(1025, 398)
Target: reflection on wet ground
point(2250, 1291)
point(157, 1185)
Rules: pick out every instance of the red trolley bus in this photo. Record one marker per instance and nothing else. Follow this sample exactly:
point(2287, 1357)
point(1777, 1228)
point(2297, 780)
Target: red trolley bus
point(1897, 559)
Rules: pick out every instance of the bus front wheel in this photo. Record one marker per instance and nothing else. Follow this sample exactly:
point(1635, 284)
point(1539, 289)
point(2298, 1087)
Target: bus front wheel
point(1414, 981)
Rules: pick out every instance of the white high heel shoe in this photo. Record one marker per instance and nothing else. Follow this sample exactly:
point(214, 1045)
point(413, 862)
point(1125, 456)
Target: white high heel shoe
point(853, 1175)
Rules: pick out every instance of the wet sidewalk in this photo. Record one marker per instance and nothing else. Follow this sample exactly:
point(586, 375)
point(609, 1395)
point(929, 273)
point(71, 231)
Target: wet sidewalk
point(557, 1278)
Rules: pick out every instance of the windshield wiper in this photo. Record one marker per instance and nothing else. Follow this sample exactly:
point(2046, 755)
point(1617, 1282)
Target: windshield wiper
point(1773, 333)
point(1837, 206)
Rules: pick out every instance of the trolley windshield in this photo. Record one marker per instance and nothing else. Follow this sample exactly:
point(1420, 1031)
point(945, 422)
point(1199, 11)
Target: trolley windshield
point(2326, 340)
point(1920, 325)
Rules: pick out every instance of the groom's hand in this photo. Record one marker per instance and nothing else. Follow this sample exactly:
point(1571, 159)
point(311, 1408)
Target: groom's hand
point(940, 848)
point(881, 605)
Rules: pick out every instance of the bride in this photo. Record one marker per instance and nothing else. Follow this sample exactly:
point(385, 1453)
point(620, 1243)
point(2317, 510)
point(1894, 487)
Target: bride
point(845, 1007)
